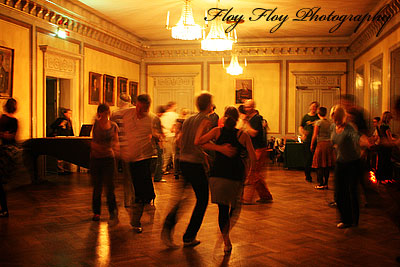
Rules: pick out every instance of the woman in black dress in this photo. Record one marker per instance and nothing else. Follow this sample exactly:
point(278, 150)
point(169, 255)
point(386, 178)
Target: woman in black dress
point(228, 173)
point(8, 149)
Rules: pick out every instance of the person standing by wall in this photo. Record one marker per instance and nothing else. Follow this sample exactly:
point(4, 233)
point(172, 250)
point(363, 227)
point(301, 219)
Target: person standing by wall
point(8, 149)
point(306, 129)
point(138, 152)
point(168, 121)
point(116, 116)
point(104, 149)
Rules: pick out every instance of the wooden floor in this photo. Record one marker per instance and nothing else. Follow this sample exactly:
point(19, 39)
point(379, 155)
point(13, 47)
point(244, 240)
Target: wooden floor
point(50, 225)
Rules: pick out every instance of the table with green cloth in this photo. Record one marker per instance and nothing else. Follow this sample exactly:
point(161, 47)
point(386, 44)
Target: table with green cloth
point(294, 155)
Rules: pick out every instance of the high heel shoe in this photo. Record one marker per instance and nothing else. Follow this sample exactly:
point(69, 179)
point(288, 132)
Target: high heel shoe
point(4, 214)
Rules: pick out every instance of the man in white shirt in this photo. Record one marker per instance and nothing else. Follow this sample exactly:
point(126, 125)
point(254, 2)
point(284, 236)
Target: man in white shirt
point(168, 122)
point(138, 153)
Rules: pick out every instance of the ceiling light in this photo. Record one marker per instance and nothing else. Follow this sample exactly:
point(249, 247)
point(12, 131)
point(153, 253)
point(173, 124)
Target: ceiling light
point(186, 28)
point(217, 39)
point(234, 67)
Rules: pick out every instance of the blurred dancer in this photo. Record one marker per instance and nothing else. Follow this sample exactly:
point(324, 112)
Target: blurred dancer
point(168, 121)
point(227, 174)
point(193, 172)
point(138, 153)
point(104, 149)
point(8, 149)
point(116, 116)
point(253, 125)
point(159, 139)
point(348, 167)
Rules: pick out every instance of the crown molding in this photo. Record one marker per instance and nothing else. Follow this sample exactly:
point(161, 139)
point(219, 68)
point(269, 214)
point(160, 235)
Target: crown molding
point(108, 33)
point(368, 35)
point(254, 51)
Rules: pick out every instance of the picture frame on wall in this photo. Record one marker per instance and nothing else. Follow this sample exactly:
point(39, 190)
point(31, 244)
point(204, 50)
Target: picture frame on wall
point(244, 90)
point(6, 71)
point(94, 88)
point(133, 91)
point(108, 90)
point(122, 87)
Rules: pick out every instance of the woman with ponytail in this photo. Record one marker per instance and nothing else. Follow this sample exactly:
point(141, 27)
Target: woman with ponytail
point(228, 173)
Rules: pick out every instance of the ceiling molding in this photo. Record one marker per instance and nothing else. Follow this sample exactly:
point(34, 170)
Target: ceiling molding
point(369, 34)
point(61, 20)
point(262, 51)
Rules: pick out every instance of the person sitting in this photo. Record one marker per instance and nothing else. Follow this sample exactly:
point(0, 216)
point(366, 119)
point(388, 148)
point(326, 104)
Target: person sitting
point(62, 126)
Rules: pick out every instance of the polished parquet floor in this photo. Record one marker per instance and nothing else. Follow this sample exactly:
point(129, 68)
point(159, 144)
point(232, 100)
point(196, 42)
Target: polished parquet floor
point(50, 225)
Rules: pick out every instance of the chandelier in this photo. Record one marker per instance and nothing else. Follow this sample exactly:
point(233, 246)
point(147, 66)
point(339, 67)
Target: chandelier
point(217, 39)
point(186, 28)
point(234, 67)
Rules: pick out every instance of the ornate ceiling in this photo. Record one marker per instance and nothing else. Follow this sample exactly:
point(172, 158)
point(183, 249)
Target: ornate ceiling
point(146, 19)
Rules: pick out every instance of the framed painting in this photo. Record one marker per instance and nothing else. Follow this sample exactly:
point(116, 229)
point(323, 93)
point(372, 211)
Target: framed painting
point(122, 86)
point(133, 91)
point(6, 71)
point(243, 90)
point(108, 89)
point(94, 88)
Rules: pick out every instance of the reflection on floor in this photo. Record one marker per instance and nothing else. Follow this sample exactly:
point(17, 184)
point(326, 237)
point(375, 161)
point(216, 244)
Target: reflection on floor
point(50, 224)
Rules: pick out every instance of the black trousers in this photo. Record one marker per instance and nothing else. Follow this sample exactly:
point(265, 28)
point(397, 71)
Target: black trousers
point(141, 180)
point(347, 176)
point(103, 172)
point(3, 198)
point(308, 158)
point(195, 175)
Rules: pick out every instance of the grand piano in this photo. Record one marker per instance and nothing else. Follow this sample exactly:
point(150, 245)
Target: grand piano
point(72, 149)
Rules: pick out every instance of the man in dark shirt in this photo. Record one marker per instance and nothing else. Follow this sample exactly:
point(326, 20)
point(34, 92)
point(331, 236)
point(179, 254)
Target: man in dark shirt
point(63, 127)
point(213, 118)
point(254, 127)
point(306, 129)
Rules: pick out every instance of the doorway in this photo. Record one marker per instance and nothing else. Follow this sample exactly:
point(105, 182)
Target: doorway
point(326, 97)
point(179, 89)
point(58, 97)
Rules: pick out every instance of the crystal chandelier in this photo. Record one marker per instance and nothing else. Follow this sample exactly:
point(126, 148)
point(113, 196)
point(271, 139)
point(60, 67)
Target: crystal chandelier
point(234, 67)
point(217, 39)
point(186, 28)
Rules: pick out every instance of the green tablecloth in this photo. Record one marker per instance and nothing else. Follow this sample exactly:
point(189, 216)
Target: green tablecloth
point(294, 155)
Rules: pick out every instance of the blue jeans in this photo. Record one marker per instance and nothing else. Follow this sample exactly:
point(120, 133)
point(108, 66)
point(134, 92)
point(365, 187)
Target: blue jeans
point(158, 173)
